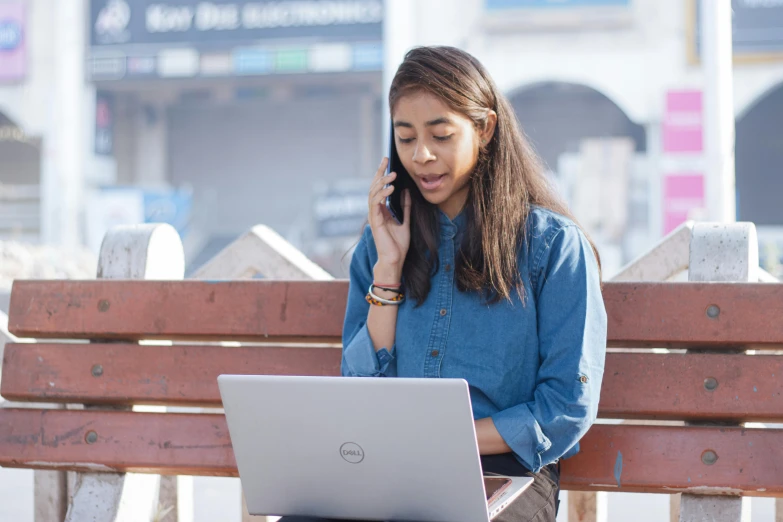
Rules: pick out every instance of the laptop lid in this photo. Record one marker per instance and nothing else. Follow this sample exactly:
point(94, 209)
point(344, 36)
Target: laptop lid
point(367, 448)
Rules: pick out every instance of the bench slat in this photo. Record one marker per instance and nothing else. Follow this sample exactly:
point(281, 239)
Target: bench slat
point(616, 457)
point(176, 375)
point(311, 311)
point(636, 385)
point(640, 314)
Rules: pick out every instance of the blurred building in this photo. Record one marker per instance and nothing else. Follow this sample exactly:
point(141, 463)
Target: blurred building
point(610, 94)
point(248, 108)
point(219, 115)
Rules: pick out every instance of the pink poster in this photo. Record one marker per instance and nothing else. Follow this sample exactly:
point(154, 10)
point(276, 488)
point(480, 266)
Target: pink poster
point(13, 62)
point(682, 195)
point(682, 125)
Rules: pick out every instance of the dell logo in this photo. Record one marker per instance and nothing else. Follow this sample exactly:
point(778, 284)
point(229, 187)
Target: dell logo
point(352, 452)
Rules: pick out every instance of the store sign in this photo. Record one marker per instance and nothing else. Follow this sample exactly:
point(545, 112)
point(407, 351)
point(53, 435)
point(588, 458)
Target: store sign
point(757, 27)
point(104, 124)
point(13, 59)
point(341, 211)
point(546, 15)
point(538, 4)
point(683, 130)
point(197, 22)
point(683, 199)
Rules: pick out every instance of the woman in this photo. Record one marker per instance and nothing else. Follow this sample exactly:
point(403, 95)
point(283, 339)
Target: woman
point(488, 279)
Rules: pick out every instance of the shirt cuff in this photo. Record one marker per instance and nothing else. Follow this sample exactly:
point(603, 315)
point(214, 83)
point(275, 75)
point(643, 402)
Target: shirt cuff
point(361, 360)
point(523, 435)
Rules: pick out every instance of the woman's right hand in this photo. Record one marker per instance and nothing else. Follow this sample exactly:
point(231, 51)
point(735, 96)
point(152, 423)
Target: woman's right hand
point(392, 240)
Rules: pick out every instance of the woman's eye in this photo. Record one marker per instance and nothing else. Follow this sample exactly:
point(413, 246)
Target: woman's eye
point(443, 138)
point(405, 140)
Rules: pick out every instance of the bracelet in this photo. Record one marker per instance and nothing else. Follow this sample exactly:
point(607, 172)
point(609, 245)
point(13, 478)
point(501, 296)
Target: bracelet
point(393, 290)
point(379, 301)
point(387, 285)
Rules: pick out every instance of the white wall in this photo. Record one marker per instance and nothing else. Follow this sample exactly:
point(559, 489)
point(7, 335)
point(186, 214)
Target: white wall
point(633, 65)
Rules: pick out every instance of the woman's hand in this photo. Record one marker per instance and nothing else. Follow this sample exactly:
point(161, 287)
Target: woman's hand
point(392, 240)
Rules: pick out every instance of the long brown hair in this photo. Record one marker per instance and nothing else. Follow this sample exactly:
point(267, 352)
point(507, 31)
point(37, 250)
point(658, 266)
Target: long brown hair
point(508, 179)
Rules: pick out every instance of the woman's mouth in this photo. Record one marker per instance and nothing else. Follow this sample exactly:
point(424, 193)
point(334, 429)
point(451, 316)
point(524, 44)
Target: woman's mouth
point(432, 182)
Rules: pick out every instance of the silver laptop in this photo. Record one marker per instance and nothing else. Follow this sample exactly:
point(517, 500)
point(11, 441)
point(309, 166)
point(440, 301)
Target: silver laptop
point(361, 448)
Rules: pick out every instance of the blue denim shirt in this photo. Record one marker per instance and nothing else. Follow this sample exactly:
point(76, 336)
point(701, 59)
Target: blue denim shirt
point(535, 367)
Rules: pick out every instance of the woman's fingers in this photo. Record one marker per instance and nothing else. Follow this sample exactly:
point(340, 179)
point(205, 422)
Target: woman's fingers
point(381, 186)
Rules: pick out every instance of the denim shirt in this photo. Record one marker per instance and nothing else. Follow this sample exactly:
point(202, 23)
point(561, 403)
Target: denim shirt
point(533, 365)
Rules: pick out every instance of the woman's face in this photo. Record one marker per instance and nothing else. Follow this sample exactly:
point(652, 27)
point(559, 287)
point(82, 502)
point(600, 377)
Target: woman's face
point(438, 147)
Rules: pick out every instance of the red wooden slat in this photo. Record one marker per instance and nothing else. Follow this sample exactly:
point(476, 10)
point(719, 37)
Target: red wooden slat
point(675, 314)
point(640, 314)
point(614, 457)
point(694, 386)
point(636, 385)
point(235, 310)
point(142, 374)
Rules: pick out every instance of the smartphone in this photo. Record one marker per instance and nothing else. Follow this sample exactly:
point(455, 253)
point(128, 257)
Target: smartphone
point(402, 182)
point(494, 486)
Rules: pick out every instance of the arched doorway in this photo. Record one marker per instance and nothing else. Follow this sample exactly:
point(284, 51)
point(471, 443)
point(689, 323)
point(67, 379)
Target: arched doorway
point(558, 117)
point(759, 175)
point(20, 174)
point(759, 161)
point(593, 150)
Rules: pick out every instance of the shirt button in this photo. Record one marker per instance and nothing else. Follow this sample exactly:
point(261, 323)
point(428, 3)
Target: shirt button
point(448, 268)
point(443, 312)
point(434, 353)
point(583, 379)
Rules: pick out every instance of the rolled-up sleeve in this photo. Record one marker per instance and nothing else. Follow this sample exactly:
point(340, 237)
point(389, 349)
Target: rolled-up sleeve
point(360, 359)
point(571, 321)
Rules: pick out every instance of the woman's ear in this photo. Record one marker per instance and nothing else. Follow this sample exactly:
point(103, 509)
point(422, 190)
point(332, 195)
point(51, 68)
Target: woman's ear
point(486, 134)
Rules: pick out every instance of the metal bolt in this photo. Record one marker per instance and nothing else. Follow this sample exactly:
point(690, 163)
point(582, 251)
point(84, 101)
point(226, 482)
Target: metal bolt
point(713, 311)
point(91, 437)
point(97, 370)
point(709, 457)
point(710, 383)
point(103, 305)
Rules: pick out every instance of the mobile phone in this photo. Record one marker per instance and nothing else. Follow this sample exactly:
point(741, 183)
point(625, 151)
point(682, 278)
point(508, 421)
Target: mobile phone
point(403, 181)
point(494, 486)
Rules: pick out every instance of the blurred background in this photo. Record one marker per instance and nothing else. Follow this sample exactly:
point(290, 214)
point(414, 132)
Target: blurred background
point(216, 116)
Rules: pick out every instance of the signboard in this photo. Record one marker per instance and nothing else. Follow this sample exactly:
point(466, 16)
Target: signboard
point(143, 39)
point(13, 47)
point(341, 210)
point(546, 4)
point(683, 122)
point(104, 124)
point(197, 22)
point(517, 15)
point(757, 28)
point(683, 199)
point(124, 205)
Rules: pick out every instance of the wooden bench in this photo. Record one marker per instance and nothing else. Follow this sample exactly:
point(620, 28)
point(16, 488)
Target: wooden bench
point(295, 327)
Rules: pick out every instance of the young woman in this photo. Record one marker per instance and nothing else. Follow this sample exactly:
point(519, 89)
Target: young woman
point(488, 279)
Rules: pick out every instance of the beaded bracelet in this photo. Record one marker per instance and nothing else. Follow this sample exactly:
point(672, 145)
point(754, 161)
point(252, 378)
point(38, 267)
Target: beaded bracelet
point(379, 301)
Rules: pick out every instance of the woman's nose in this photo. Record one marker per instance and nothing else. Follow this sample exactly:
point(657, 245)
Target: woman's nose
point(422, 154)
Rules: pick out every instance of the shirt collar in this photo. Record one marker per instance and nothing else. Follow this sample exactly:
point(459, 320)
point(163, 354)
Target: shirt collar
point(449, 228)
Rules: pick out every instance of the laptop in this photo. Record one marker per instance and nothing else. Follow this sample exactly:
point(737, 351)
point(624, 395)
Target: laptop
point(361, 448)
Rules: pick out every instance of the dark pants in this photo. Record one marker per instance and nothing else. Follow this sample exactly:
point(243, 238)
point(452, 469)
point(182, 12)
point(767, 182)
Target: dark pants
point(538, 503)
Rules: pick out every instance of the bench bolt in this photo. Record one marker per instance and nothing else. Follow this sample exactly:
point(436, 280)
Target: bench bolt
point(713, 311)
point(97, 370)
point(710, 383)
point(709, 457)
point(91, 437)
